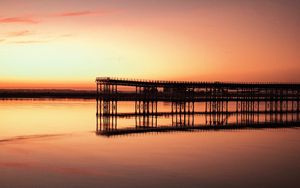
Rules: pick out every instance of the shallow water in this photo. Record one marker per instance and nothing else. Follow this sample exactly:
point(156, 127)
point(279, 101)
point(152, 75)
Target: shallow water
point(52, 143)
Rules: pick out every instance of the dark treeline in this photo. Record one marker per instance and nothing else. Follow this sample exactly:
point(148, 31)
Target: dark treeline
point(46, 93)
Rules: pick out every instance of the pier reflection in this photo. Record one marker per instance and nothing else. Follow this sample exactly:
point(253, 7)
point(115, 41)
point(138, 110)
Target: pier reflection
point(122, 124)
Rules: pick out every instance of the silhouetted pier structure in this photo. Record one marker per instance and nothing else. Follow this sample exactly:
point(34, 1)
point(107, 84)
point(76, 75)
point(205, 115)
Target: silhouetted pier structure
point(251, 103)
point(146, 93)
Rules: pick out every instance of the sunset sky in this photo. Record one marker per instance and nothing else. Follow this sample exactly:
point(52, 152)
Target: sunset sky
point(66, 44)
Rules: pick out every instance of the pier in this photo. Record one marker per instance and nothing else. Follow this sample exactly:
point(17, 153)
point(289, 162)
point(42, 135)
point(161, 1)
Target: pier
point(249, 103)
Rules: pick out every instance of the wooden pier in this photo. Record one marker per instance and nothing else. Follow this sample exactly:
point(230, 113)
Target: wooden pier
point(183, 95)
point(247, 101)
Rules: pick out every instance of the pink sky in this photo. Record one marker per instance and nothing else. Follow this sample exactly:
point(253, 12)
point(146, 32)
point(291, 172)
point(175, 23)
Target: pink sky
point(66, 44)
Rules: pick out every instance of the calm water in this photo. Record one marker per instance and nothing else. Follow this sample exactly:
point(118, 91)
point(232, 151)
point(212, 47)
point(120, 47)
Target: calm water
point(52, 143)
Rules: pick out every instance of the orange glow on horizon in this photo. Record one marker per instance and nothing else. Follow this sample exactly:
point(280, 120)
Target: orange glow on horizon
point(60, 44)
point(48, 85)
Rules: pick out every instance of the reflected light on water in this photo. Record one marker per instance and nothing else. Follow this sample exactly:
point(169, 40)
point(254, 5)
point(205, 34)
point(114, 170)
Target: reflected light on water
point(53, 144)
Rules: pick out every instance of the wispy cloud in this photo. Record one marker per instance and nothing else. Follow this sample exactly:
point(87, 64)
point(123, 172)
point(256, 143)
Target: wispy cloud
point(75, 13)
point(35, 19)
point(8, 38)
point(64, 36)
point(25, 20)
point(82, 13)
point(29, 41)
point(19, 33)
point(46, 39)
point(15, 164)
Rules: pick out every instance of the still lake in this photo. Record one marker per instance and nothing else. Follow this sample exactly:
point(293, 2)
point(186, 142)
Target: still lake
point(53, 143)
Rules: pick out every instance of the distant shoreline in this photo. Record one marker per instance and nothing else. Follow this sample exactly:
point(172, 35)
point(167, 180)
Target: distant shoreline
point(46, 93)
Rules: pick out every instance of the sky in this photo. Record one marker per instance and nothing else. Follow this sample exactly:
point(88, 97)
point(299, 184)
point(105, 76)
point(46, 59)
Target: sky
point(67, 44)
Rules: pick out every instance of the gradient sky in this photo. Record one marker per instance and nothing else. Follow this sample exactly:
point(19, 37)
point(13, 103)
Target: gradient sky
point(66, 44)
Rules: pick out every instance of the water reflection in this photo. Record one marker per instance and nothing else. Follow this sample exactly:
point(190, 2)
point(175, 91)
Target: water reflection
point(119, 124)
point(50, 143)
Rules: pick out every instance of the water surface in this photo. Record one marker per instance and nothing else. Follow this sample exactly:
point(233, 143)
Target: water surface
point(52, 143)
